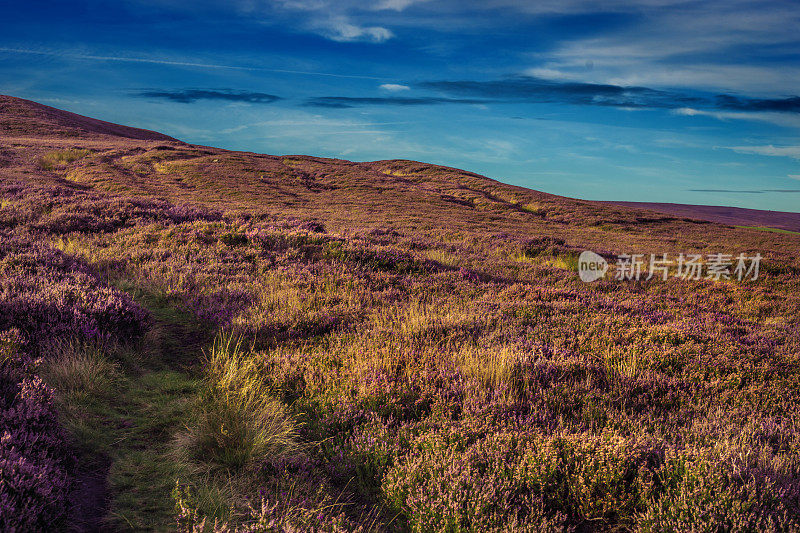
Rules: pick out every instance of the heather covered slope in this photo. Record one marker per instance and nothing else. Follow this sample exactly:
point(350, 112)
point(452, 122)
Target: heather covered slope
point(345, 195)
point(734, 216)
point(298, 343)
point(19, 117)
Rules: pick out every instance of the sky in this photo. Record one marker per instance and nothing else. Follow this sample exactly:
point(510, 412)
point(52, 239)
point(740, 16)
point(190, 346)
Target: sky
point(649, 100)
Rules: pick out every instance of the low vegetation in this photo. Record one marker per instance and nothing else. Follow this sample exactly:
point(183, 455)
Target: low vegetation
point(61, 158)
point(228, 367)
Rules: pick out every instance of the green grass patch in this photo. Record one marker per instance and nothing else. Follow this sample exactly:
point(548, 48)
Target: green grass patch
point(123, 405)
point(772, 230)
point(117, 411)
point(61, 158)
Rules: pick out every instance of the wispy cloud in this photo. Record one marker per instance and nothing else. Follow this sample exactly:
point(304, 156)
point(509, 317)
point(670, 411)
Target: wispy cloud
point(716, 45)
point(177, 63)
point(529, 89)
point(188, 96)
point(781, 119)
point(334, 20)
point(768, 150)
point(396, 5)
point(741, 191)
point(539, 90)
point(737, 191)
point(394, 87)
point(343, 102)
point(340, 28)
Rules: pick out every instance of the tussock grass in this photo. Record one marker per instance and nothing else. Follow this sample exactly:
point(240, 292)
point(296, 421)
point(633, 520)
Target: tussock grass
point(444, 258)
point(534, 208)
point(238, 423)
point(498, 368)
point(61, 158)
point(79, 368)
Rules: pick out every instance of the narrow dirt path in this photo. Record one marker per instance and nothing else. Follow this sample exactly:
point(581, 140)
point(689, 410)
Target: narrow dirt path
point(126, 471)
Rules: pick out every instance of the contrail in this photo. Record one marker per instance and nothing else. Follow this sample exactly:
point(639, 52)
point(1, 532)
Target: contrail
point(185, 64)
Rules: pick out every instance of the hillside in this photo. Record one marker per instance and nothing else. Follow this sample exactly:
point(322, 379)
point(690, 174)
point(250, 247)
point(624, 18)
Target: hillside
point(294, 343)
point(733, 216)
point(30, 119)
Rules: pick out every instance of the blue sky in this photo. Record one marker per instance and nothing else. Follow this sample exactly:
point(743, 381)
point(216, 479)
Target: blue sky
point(655, 100)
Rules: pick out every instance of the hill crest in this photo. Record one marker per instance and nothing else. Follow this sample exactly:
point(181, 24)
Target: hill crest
point(20, 117)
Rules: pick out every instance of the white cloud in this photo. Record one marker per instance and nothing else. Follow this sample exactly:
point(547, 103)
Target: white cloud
point(769, 150)
point(781, 119)
point(338, 20)
point(339, 28)
point(794, 176)
point(394, 87)
point(396, 5)
point(551, 74)
point(688, 47)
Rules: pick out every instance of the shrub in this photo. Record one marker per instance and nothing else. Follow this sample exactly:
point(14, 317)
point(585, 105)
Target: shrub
point(45, 293)
point(453, 481)
point(34, 483)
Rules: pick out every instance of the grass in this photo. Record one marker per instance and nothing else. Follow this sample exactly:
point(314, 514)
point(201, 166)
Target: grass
point(80, 369)
point(444, 258)
point(772, 230)
point(139, 409)
point(121, 405)
point(497, 368)
point(61, 158)
point(237, 423)
point(115, 414)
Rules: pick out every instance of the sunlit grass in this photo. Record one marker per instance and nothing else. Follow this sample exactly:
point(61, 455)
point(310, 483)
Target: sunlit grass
point(237, 423)
point(445, 258)
point(772, 230)
point(78, 368)
point(61, 158)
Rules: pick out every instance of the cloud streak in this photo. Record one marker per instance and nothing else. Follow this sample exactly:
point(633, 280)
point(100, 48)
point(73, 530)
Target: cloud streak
point(339, 28)
point(768, 150)
point(394, 87)
point(189, 96)
point(343, 102)
point(175, 63)
point(530, 89)
point(741, 191)
point(539, 90)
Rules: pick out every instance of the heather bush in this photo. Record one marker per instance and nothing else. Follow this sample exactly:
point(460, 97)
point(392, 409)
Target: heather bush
point(439, 377)
point(34, 483)
point(45, 294)
point(700, 493)
point(458, 480)
point(62, 210)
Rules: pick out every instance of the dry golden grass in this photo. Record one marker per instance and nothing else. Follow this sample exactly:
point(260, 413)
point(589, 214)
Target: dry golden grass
point(238, 423)
point(444, 258)
point(61, 158)
point(495, 368)
point(78, 368)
